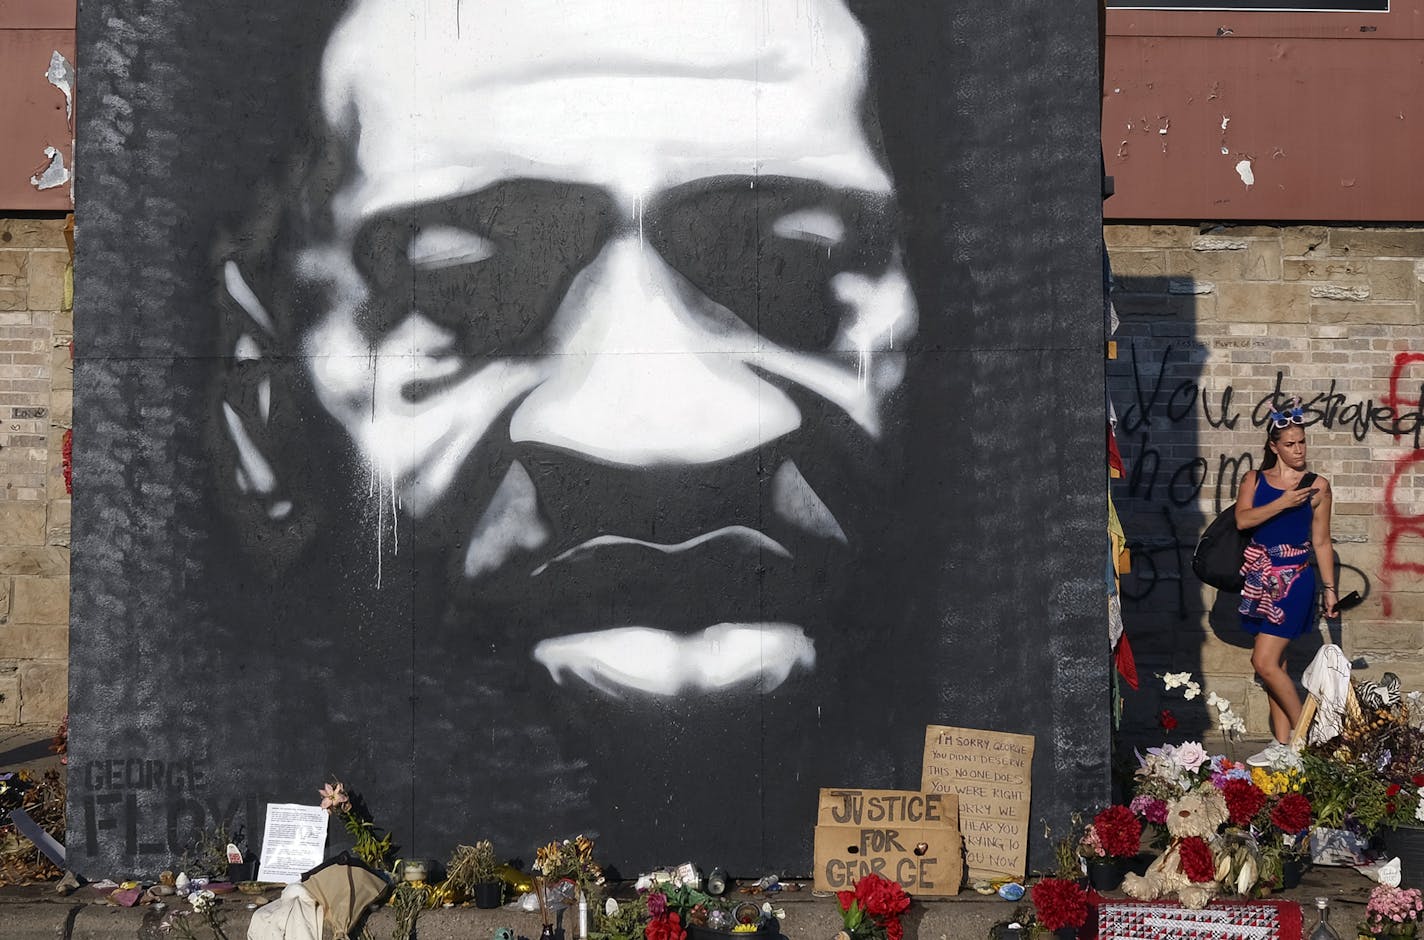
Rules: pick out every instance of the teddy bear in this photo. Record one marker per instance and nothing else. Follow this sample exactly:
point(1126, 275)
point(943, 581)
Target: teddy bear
point(1192, 822)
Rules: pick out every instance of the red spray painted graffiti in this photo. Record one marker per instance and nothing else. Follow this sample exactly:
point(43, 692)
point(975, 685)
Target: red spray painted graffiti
point(1401, 525)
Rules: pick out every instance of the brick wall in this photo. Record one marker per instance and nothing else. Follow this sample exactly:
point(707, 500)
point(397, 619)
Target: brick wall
point(36, 395)
point(1213, 319)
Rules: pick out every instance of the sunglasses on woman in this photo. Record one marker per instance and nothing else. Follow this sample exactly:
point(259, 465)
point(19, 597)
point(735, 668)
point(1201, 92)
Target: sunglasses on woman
point(1284, 419)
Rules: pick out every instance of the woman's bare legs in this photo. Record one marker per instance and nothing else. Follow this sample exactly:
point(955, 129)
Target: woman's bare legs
point(1268, 658)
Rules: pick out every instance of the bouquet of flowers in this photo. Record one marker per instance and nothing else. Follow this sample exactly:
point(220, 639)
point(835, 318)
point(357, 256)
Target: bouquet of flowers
point(1059, 903)
point(1114, 833)
point(1264, 814)
point(663, 922)
point(1283, 822)
point(571, 859)
point(1369, 777)
point(872, 910)
point(369, 842)
point(1392, 912)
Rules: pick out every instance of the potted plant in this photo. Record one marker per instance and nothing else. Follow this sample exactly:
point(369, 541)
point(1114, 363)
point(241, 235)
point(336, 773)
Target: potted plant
point(1392, 912)
point(473, 872)
point(1108, 844)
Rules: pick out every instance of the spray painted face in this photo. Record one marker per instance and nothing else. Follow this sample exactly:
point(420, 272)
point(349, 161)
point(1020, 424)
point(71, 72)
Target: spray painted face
point(615, 304)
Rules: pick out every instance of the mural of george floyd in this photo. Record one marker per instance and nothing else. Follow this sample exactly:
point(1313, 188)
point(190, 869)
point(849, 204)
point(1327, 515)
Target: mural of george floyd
point(618, 418)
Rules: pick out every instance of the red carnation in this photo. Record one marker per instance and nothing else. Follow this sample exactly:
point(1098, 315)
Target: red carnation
point(1060, 903)
point(1243, 801)
point(1167, 720)
point(1197, 863)
point(1292, 814)
point(1119, 831)
point(881, 897)
point(1392, 789)
point(667, 927)
point(1417, 780)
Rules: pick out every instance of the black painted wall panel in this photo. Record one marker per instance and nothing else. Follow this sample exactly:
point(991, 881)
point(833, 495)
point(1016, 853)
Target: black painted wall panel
point(257, 638)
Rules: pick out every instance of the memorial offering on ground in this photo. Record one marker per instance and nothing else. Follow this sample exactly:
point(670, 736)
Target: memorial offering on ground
point(905, 836)
point(991, 773)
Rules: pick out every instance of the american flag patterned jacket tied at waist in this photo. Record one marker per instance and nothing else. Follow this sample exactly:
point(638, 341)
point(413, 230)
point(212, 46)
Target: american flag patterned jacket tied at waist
point(1269, 573)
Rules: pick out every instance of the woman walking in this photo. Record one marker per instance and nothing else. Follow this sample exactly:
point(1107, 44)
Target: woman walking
point(1289, 511)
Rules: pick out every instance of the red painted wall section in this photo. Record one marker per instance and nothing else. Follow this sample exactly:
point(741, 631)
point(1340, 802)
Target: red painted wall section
point(32, 108)
point(1228, 115)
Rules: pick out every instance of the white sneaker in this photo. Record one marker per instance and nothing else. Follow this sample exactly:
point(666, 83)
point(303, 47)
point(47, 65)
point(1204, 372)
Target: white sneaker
point(1274, 752)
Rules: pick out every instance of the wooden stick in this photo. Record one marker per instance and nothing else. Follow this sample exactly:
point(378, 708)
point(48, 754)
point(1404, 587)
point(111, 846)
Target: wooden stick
point(543, 907)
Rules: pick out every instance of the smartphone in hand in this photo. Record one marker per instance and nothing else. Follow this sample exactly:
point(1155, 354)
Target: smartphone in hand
point(1353, 599)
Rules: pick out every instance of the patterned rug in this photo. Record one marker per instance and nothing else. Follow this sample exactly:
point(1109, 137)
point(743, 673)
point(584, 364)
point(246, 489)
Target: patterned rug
point(1220, 920)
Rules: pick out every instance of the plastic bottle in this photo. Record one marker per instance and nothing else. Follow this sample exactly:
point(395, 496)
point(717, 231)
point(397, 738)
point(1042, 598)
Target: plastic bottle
point(1322, 929)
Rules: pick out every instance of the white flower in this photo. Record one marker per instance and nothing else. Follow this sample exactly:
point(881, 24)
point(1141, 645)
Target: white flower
point(610, 907)
point(1193, 690)
point(776, 912)
point(1231, 722)
point(1173, 679)
point(202, 900)
point(1419, 811)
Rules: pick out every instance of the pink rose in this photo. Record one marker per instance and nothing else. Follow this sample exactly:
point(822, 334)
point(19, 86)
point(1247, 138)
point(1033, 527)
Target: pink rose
point(1190, 756)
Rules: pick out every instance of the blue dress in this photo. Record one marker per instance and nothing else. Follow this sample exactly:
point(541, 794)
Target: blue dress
point(1279, 595)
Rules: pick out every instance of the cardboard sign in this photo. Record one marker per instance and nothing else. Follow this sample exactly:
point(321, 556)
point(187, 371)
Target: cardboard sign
point(905, 836)
point(991, 772)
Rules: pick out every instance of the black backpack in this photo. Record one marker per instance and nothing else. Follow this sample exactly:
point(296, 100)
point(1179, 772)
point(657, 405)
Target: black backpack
point(1222, 548)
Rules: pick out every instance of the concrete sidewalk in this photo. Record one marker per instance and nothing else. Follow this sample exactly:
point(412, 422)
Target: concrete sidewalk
point(36, 913)
point(26, 747)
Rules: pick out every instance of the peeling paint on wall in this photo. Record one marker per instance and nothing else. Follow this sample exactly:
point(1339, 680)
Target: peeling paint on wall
point(1243, 170)
point(54, 173)
point(60, 74)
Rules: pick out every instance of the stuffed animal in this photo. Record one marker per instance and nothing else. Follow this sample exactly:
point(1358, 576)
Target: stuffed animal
point(1192, 822)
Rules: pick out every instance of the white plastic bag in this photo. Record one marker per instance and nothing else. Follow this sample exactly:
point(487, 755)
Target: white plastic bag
point(293, 916)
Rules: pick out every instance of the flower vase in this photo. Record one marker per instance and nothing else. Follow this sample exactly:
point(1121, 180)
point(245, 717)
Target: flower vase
point(1106, 874)
point(488, 894)
point(1292, 868)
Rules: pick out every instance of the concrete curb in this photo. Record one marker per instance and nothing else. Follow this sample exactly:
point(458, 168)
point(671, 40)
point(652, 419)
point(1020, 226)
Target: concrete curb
point(35, 913)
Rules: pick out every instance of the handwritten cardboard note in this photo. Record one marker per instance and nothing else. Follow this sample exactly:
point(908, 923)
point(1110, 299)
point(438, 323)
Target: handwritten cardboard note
point(991, 772)
point(905, 836)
